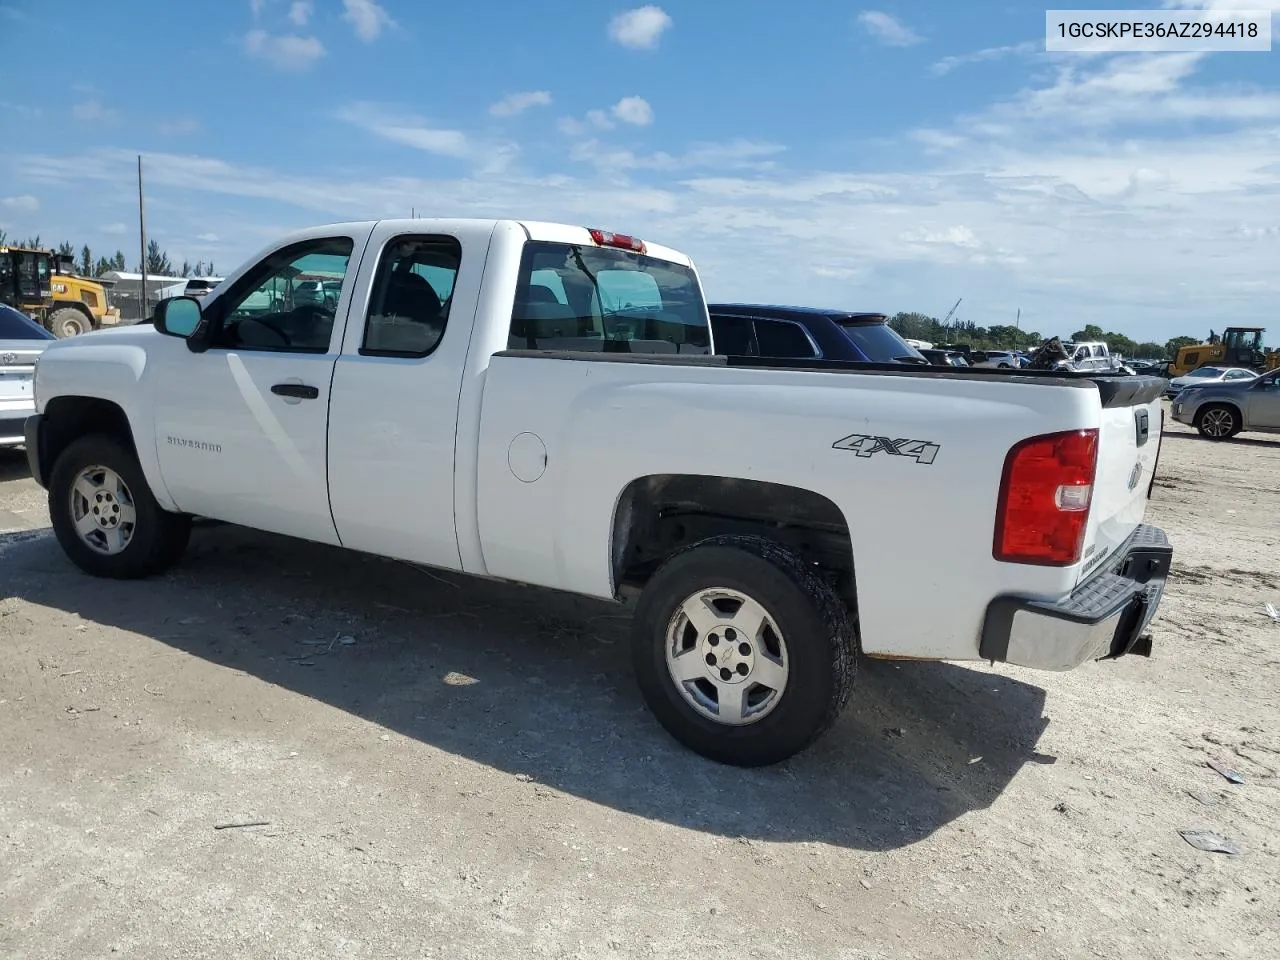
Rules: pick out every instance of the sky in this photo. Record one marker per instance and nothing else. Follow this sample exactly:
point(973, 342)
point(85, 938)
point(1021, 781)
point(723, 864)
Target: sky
point(888, 156)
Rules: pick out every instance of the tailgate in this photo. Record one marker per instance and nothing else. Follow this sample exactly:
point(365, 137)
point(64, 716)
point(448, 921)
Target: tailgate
point(1129, 435)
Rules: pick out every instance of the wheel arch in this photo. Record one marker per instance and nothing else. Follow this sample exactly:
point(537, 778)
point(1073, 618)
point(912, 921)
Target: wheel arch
point(1208, 405)
point(65, 418)
point(659, 514)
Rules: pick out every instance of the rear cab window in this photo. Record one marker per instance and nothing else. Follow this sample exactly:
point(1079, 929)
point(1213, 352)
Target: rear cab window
point(573, 297)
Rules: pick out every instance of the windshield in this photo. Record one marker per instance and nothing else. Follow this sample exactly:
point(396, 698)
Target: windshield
point(15, 325)
point(1205, 372)
point(878, 342)
point(584, 298)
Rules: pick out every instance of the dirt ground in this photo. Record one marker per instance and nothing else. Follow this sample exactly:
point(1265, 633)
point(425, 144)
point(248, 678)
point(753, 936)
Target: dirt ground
point(449, 768)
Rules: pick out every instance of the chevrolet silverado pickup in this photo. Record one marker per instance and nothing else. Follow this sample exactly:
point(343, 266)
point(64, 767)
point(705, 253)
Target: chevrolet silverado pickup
point(544, 403)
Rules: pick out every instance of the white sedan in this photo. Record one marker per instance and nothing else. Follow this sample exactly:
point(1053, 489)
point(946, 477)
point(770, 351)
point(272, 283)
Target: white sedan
point(22, 340)
point(1207, 375)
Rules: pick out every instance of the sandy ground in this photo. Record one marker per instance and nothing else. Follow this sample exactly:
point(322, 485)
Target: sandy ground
point(449, 768)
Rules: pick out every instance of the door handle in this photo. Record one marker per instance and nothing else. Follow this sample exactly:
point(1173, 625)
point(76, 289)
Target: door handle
point(302, 391)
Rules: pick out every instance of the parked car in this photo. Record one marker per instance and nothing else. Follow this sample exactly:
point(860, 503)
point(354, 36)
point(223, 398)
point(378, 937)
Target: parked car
point(1003, 359)
point(560, 421)
point(1205, 375)
point(1091, 356)
point(759, 330)
point(1220, 409)
point(200, 286)
point(945, 358)
point(22, 340)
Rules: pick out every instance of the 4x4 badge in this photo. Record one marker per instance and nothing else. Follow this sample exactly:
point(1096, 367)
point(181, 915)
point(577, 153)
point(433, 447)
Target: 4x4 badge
point(864, 445)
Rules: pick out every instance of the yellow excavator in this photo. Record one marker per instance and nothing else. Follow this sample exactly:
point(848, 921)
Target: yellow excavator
point(44, 285)
point(1237, 347)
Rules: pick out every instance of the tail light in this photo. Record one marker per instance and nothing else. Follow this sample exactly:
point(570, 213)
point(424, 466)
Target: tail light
point(1045, 494)
point(620, 240)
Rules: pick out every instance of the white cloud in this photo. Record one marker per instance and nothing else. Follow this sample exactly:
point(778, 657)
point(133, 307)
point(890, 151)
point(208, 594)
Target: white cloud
point(417, 132)
point(288, 52)
point(300, 12)
point(93, 111)
point(516, 103)
point(256, 7)
point(23, 204)
point(641, 28)
point(180, 126)
point(947, 64)
point(113, 229)
point(633, 110)
point(367, 17)
point(207, 237)
point(888, 30)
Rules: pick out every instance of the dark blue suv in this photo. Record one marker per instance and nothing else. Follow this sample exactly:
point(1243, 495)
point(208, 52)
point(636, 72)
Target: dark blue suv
point(807, 333)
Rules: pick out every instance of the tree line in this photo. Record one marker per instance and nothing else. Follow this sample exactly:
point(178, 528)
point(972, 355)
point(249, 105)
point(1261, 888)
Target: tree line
point(87, 265)
point(919, 326)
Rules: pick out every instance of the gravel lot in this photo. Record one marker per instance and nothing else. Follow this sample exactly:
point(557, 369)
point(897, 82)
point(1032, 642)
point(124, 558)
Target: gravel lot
point(449, 768)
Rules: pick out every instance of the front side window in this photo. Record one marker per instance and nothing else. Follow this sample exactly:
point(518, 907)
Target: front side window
point(585, 298)
point(411, 295)
point(281, 304)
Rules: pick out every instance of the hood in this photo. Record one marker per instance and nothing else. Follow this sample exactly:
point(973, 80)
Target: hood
point(1228, 385)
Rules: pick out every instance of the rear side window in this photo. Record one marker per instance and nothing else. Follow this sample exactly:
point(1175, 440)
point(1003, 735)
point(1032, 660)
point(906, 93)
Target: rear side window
point(411, 294)
point(879, 342)
point(593, 299)
point(777, 338)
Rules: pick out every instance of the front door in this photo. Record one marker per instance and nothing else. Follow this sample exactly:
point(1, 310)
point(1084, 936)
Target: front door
point(241, 429)
point(1264, 402)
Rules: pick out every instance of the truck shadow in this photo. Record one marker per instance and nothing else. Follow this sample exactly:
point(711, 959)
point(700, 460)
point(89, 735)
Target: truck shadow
point(539, 684)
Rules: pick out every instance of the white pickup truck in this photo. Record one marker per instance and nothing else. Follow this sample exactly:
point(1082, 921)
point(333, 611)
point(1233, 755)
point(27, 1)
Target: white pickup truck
point(541, 403)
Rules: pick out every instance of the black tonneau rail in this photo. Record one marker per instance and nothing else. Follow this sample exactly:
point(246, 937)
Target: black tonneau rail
point(1115, 389)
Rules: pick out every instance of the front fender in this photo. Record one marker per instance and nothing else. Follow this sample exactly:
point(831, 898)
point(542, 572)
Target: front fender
point(97, 367)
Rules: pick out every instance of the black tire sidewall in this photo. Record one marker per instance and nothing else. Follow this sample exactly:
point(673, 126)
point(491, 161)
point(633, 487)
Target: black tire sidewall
point(158, 538)
point(820, 652)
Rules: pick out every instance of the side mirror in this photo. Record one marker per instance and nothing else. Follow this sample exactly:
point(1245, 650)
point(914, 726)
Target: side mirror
point(178, 316)
point(184, 317)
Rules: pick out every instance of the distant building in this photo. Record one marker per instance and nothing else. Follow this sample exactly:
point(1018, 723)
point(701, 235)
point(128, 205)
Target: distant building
point(126, 292)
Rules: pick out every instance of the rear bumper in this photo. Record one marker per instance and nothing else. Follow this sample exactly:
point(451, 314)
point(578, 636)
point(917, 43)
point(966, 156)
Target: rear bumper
point(13, 416)
point(1104, 617)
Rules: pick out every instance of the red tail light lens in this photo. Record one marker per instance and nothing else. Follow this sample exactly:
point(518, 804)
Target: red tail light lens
point(619, 240)
point(1045, 495)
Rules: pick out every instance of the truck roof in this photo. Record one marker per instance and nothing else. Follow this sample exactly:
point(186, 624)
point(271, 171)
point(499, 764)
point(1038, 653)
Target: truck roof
point(797, 313)
point(539, 230)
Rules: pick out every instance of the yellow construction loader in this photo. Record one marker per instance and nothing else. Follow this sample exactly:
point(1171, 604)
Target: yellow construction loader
point(45, 285)
point(1237, 347)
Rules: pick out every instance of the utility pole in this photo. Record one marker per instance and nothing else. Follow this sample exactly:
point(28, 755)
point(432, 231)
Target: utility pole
point(142, 242)
point(1017, 327)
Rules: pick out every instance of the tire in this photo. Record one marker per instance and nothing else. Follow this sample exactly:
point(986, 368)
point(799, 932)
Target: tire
point(111, 480)
point(809, 644)
point(1218, 421)
point(69, 322)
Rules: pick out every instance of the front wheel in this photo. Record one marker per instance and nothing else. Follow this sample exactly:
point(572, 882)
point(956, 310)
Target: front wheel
point(105, 516)
point(1218, 422)
point(69, 322)
point(742, 651)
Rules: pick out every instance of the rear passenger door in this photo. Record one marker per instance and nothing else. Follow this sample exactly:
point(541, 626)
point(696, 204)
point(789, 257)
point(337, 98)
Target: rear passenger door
point(394, 411)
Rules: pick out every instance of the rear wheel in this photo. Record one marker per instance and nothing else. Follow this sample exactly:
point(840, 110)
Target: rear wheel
point(69, 322)
point(1218, 421)
point(742, 651)
point(105, 516)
